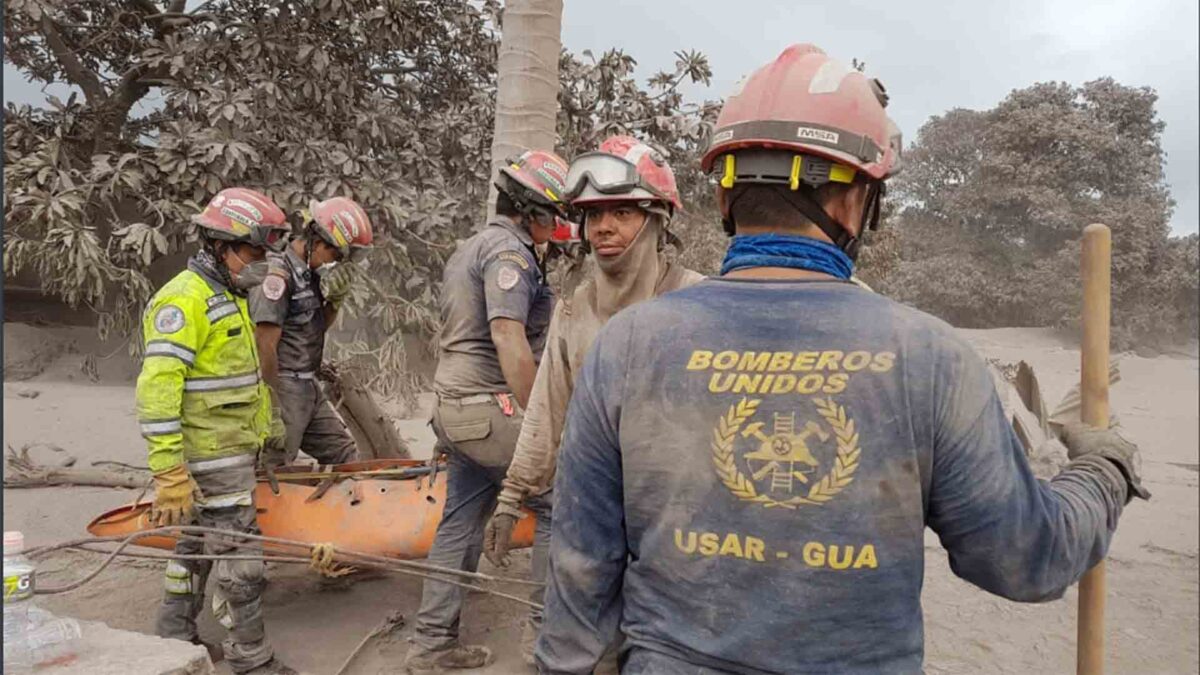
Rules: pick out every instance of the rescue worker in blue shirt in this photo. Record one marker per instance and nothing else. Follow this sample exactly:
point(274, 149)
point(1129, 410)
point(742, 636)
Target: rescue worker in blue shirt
point(292, 313)
point(205, 414)
point(749, 464)
point(495, 306)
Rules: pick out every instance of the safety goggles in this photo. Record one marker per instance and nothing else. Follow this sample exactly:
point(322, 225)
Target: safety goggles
point(270, 238)
point(358, 254)
point(607, 174)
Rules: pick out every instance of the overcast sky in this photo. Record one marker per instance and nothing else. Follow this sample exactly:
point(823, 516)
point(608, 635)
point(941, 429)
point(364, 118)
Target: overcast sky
point(933, 55)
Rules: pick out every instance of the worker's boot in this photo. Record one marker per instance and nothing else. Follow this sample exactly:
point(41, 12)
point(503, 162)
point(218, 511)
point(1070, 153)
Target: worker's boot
point(215, 653)
point(272, 667)
point(460, 657)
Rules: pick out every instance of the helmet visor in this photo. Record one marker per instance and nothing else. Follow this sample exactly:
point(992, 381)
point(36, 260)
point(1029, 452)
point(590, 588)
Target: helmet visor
point(358, 253)
point(270, 238)
point(606, 173)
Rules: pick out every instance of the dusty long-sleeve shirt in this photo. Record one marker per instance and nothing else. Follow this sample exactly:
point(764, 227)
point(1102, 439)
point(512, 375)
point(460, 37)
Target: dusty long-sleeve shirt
point(747, 470)
point(573, 327)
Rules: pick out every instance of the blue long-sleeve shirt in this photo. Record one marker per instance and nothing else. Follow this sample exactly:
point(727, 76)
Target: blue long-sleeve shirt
point(747, 470)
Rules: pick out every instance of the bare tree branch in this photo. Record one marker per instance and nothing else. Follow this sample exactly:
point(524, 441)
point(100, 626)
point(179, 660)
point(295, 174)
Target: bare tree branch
point(147, 7)
point(79, 74)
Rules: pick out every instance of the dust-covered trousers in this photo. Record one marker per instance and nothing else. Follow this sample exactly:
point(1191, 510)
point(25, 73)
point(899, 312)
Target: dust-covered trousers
point(312, 423)
point(479, 440)
point(227, 486)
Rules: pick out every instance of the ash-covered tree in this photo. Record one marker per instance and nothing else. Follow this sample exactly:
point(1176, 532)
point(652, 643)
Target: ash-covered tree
point(378, 101)
point(389, 102)
point(994, 203)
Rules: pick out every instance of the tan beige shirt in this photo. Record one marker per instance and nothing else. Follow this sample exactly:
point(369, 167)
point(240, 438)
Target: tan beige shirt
point(573, 327)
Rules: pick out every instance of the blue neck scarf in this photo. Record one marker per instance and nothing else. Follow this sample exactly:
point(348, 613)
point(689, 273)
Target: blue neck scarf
point(784, 250)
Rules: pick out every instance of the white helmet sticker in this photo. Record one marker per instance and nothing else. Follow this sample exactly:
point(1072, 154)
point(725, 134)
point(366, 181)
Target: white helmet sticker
point(829, 77)
point(243, 204)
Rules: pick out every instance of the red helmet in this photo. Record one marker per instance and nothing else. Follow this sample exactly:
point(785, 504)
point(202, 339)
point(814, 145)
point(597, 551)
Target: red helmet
point(342, 224)
point(805, 102)
point(245, 216)
point(535, 178)
point(565, 231)
point(622, 169)
point(799, 122)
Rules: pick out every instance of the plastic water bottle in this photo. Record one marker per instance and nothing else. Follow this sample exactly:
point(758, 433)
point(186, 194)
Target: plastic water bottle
point(18, 598)
point(51, 639)
point(32, 636)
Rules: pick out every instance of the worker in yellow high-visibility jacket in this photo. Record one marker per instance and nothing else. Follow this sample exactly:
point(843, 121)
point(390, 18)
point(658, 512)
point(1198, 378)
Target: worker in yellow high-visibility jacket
point(205, 414)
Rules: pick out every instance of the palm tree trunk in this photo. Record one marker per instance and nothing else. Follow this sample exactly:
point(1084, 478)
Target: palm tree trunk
point(527, 81)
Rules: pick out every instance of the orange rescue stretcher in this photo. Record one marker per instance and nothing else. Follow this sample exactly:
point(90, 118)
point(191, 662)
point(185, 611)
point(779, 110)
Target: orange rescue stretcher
point(387, 507)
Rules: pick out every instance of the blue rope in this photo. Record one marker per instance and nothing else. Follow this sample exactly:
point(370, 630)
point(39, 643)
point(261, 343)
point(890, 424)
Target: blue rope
point(784, 250)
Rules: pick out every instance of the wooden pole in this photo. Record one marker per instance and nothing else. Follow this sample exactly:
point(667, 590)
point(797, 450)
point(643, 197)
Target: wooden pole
point(1096, 268)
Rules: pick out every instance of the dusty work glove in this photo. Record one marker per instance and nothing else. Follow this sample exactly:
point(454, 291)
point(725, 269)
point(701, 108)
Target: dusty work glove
point(174, 496)
point(497, 536)
point(274, 451)
point(1107, 449)
point(337, 283)
point(277, 433)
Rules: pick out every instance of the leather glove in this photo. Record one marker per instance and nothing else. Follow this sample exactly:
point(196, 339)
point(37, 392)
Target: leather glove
point(497, 536)
point(174, 497)
point(1088, 444)
point(337, 284)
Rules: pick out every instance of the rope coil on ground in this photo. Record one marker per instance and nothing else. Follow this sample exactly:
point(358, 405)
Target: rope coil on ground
point(323, 562)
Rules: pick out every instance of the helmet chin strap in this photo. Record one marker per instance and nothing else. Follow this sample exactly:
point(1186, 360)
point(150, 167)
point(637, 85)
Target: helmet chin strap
point(804, 201)
point(308, 247)
point(217, 249)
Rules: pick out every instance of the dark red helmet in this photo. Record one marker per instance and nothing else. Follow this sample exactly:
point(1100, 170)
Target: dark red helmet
point(799, 122)
point(536, 178)
point(622, 169)
point(344, 225)
point(805, 102)
point(244, 216)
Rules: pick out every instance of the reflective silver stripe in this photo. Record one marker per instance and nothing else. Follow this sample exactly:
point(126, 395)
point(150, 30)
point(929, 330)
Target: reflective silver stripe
point(165, 348)
point(221, 311)
point(178, 579)
point(161, 428)
point(217, 383)
point(298, 375)
point(232, 499)
point(306, 293)
point(220, 609)
point(208, 465)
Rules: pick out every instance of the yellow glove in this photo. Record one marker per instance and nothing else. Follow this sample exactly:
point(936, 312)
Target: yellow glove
point(174, 495)
point(337, 284)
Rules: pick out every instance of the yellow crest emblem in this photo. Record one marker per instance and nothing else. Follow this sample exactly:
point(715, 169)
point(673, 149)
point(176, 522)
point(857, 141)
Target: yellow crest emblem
point(780, 467)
